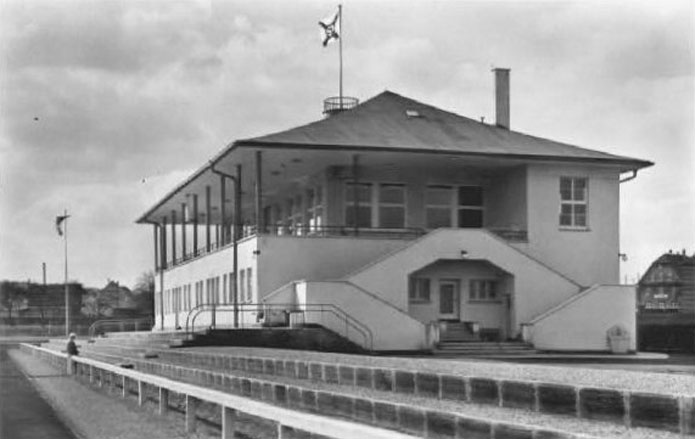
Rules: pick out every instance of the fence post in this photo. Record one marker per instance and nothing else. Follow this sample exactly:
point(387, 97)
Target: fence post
point(163, 400)
point(141, 392)
point(125, 386)
point(228, 422)
point(91, 373)
point(191, 408)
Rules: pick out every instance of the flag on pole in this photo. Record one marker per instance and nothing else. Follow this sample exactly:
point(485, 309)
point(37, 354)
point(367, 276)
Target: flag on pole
point(59, 223)
point(330, 28)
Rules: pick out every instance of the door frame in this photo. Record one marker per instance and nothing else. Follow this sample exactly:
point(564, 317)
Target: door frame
point(456, 315)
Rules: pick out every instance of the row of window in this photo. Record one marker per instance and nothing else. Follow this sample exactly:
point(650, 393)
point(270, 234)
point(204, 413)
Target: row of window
point(383, 205)
point(478, 290)
point(217, 290)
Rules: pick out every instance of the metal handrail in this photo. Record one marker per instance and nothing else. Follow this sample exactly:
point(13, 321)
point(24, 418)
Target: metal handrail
point(329, 308)
point(121, 322)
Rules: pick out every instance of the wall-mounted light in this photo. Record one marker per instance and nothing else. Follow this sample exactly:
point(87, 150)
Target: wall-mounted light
point(464, 254)
point(256, 252)
point(622, 256)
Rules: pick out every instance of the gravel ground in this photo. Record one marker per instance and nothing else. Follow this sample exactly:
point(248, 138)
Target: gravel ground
point(604, 430)
point(79, 406)
point(613, 379)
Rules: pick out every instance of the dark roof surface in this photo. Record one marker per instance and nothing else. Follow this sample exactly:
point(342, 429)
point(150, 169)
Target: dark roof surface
point(382, 123)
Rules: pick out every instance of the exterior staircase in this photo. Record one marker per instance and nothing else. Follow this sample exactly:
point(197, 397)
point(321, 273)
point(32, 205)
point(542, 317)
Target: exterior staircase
point(483, 349)
point(457, 332)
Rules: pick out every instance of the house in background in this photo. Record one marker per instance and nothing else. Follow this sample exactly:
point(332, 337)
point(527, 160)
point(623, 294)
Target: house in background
point(410, 221)
point(113, 301)
point(666, 299)
point(29, 303)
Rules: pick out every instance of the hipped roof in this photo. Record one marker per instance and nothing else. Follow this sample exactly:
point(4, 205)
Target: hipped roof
point(390, 122)
point(383, 123)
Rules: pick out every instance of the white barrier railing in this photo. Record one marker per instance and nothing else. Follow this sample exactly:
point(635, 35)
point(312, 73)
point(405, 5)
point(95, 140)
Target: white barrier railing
point(229, 404)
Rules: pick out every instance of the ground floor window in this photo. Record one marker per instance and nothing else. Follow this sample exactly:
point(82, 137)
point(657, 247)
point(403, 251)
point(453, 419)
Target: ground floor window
point(249, 289)
point(483, 290)
point(419, 290)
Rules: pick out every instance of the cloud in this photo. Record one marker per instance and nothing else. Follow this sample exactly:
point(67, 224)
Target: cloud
point(131, 90)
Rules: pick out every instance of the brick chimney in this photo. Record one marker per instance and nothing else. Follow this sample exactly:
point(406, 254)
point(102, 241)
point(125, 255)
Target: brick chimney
point(501, 97)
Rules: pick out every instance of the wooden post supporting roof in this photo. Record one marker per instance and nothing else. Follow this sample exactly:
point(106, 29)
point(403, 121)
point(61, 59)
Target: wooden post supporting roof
point(195, 225)
point(208, 214)
point(259, 194)
point(183, 230)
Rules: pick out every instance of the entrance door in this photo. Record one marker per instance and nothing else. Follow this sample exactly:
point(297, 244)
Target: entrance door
point(449, 299)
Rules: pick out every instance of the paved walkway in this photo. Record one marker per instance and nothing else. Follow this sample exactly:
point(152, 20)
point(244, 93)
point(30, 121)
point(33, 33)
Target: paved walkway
point(88, 413)
point(23, 413)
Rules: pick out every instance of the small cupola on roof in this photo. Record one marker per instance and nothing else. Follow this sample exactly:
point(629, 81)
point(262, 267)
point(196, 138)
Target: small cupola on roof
point(336, 104)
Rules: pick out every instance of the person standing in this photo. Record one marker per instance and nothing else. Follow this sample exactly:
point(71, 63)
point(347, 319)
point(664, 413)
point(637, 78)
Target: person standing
point(71, 350)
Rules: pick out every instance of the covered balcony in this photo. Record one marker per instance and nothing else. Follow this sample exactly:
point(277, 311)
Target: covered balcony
point(296, 192)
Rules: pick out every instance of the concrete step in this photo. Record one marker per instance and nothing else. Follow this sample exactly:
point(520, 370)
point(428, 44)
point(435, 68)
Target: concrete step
point(445, 411)
point(656, 410)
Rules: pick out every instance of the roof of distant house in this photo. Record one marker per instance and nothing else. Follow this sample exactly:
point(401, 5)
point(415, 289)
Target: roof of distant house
point(390, 121)
point(682, 264)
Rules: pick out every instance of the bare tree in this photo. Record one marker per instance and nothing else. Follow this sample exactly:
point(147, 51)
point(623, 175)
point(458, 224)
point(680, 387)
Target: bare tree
point(143, 292)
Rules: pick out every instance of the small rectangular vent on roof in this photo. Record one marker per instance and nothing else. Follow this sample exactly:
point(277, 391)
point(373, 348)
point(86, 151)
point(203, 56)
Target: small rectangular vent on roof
point(412, 113)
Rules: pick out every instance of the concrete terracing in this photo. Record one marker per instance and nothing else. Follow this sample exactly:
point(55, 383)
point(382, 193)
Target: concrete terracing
point(431, 398)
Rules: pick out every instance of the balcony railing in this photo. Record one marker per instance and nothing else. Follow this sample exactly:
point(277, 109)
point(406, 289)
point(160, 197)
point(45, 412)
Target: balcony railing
point(510, 235)
point(336, 104)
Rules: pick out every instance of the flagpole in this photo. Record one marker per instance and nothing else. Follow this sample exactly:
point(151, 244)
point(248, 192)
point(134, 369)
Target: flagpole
point(67, 296)
point(340, 43)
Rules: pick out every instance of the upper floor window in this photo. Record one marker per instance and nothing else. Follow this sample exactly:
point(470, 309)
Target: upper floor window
point(438, 206)
point(573, 202)
point(358, 205)
point(448, 206)
point(470, 206)
point(315, 208)
point(375, 205)
point(392, 206)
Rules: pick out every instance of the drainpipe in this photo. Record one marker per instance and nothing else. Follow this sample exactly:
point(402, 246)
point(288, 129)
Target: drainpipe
point(235, 235)
point(631, 177)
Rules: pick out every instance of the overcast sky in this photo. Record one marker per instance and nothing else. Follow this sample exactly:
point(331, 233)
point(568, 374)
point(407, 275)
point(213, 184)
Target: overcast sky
point(106, 105)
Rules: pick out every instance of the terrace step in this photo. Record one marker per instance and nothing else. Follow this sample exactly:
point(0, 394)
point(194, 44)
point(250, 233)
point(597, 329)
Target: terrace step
point(420, 412)
point(483, 349)
point(535, 395)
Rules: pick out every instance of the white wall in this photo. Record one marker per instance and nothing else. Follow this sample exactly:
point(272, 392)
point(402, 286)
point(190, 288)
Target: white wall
point(589, 256)
point(208, 266)
point(536, 286)
point(287, 258)
point(581, 323)
point(391, 328)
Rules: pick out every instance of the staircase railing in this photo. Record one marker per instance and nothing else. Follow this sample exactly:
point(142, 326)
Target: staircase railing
point(244, 309)
point(121, 325)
